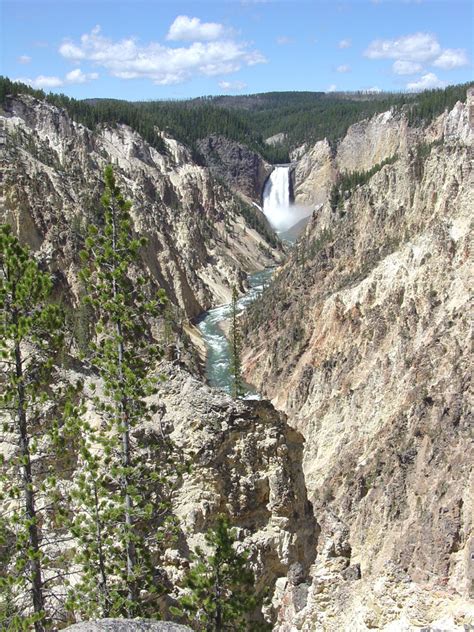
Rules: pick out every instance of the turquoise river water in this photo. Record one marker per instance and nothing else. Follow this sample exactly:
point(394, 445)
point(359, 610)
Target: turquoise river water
point(210, 325)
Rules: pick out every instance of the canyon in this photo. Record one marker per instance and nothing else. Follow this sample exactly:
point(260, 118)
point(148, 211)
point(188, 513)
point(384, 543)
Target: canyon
point(361, 340)
point(200, 240)
point(350, 482)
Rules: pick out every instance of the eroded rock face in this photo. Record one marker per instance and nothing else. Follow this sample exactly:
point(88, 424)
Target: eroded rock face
point(366, 144)
point(243, 169)
point(313, 175)
point(367, 351)
point(127, 625)
point(246, 464)
point(199, 242)
point(369, 142)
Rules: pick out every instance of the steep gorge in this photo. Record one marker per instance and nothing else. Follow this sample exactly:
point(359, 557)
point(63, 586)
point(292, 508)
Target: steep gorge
point(362, 341)
point(202, 237)
point(353, 496)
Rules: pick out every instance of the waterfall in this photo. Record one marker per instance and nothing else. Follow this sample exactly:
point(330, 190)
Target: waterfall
point(277, 206)
point(276, 198)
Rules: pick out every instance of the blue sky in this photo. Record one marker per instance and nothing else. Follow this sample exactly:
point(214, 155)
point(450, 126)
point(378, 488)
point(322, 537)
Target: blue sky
point(145, 49)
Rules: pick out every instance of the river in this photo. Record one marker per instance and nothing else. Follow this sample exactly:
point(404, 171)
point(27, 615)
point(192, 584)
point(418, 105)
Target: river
point(218, 371)
point(281, 214)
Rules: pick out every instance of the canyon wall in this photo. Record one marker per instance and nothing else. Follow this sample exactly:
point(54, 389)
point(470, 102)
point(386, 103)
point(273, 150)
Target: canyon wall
point(363, 340)
point(244, 169)
point(366, 144)
point(202, 238)
point(246, 464)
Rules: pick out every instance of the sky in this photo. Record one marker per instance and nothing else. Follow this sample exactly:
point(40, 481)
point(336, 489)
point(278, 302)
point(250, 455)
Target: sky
point(162, 49)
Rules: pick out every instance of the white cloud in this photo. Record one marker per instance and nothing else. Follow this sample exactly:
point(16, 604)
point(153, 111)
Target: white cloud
point(70, 51)
point(77, 76)
point(127, 59)
point(373, 90)
point(419, 47)
point(412, 52)
point(426, 82)
point(227, 86)
point(42, 81)
point(331, 88)
point(189, 29)
point(23, 59)
point(345, 43)
point(404, 67)
point(343, 68)
point(451, 58)
point(73, 77)
point(283, 40)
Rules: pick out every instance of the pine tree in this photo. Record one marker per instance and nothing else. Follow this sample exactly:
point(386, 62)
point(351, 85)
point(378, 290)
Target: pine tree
point(220, 585)
point(236, 349)
point(33, 415)
point(122, 499)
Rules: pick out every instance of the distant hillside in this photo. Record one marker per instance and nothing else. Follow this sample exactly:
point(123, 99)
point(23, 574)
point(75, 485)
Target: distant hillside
point(249, 119)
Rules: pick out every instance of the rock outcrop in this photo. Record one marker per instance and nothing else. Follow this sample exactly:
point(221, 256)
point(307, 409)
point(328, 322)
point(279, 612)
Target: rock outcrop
point(201, 237)
point(369, 142)
point(366, 144)
point(242, 168)
point(363, 341)
point(127, 625)
point(242, 461)
point(246, 464)
point(313, 175)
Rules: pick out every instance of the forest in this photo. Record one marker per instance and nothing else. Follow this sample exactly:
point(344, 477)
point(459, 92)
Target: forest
point(304, 117)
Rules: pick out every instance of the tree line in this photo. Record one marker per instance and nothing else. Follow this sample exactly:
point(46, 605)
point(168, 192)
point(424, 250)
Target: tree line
point(250, 119)
point(86, 508)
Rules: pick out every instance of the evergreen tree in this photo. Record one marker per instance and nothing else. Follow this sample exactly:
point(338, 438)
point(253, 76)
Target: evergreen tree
point(122, 501)
point(236, 349)
point(334, 197)
point(302, 116)
point(33, 414)
point(220, 585)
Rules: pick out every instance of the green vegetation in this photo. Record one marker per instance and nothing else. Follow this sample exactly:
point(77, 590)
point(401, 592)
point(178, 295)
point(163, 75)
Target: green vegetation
point(34, 414)
point(306, 249)
point(302, 116)
point(220, 585)
point(121, 512)
point(349, 181)
point(421, 153)
point(82, 494)
point(257, 220)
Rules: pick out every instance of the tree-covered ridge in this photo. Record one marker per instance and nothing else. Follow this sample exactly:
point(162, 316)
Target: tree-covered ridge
point(249, 119)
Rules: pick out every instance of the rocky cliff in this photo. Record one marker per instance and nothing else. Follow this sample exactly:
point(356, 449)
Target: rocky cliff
point(366, 144)
point(313, 173)
point(243, 169)
point(363, 341)
point(242, 461)
point(202, 238)
point(246, 464)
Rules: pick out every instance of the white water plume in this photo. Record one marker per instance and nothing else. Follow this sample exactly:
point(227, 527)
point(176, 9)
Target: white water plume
point(279, 210)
